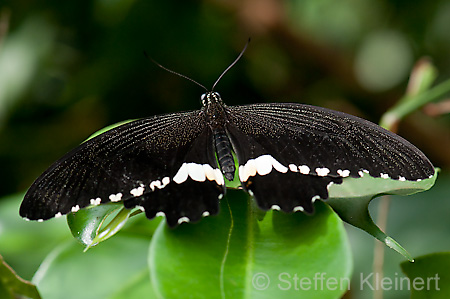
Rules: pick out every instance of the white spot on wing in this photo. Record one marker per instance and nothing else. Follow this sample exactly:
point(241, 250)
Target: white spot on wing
point(196, 172)
point(213, 174)
point(96, 201)
point(75, 209)
point(316, 197)
point(182, 174)
point(209, 172)
point(262, 165)
point(384, 175)
point(343, 173)
point(304, 169)
point(205, 214)
point(242, 176)
point(160, 184)
point(40, 220)
point(183, 219)
point(293, 168)
point(400, 178)
point(275, 207)
point(251, 167)
point(322, 171)
point(115, 197)
point(298, 208)
point(137, 191)
point(154, 184)
point(278, 166)
point(160, 214)
point(219, 177)
point(58, 215)
point(165, 181)
point(247, 170)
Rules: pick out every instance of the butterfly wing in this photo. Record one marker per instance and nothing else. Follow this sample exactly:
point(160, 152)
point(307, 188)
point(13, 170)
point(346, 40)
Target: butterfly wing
point(133, 163)
point(305, 148)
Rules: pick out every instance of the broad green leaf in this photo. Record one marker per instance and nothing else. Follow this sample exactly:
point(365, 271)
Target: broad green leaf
point(138, 286)
point(24, 244)
point(234, 255)
point(105, 271)
point(350, 200)
point(12, 286)
point(429, 276)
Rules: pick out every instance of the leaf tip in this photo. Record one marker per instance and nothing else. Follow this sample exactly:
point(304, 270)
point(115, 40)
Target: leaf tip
point(391, 243)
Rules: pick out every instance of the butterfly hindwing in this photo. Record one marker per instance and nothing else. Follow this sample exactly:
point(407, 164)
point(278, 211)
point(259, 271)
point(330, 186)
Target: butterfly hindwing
point(266, 172)
point(126, 162)
point(296, 192)
point(194, 190)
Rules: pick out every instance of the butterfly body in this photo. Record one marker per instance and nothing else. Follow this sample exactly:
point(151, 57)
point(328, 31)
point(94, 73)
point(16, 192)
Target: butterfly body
point(215, 118)
point(176, 164)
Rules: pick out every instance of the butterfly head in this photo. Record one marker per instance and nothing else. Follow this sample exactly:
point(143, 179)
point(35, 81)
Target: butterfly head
point(210, 97)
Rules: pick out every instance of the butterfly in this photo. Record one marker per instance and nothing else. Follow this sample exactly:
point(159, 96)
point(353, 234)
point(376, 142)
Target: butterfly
point(287, 156)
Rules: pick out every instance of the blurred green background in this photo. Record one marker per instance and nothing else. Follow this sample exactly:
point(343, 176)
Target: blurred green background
point(69, 68)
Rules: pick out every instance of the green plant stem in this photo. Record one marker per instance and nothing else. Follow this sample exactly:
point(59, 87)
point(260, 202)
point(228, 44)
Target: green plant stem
point(378, 258)
point(407, 105)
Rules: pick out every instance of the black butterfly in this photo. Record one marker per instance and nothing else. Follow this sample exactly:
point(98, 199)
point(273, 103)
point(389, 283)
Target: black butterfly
point(176, 164)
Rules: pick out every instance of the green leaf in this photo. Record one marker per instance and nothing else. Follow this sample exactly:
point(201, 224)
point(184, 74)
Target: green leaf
point(350, 200)
point(96, 224)
point(12, 286)
point(101, 131)
point(236, 256)
point(429, 276)
point(138, 286)
point(370, 186)
point(85, 224)
point(102, 272)
point(24, 244)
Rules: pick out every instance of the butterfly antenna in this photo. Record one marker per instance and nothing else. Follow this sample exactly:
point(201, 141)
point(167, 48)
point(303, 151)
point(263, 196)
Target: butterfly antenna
point(173, 72)
point(231, 65)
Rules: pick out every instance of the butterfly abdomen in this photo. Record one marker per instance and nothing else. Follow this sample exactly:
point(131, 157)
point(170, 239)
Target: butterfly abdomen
point(223, 150)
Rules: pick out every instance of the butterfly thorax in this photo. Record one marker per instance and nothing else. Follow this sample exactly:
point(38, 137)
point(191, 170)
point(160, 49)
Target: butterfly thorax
point(213, 108)
point(214, 111)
